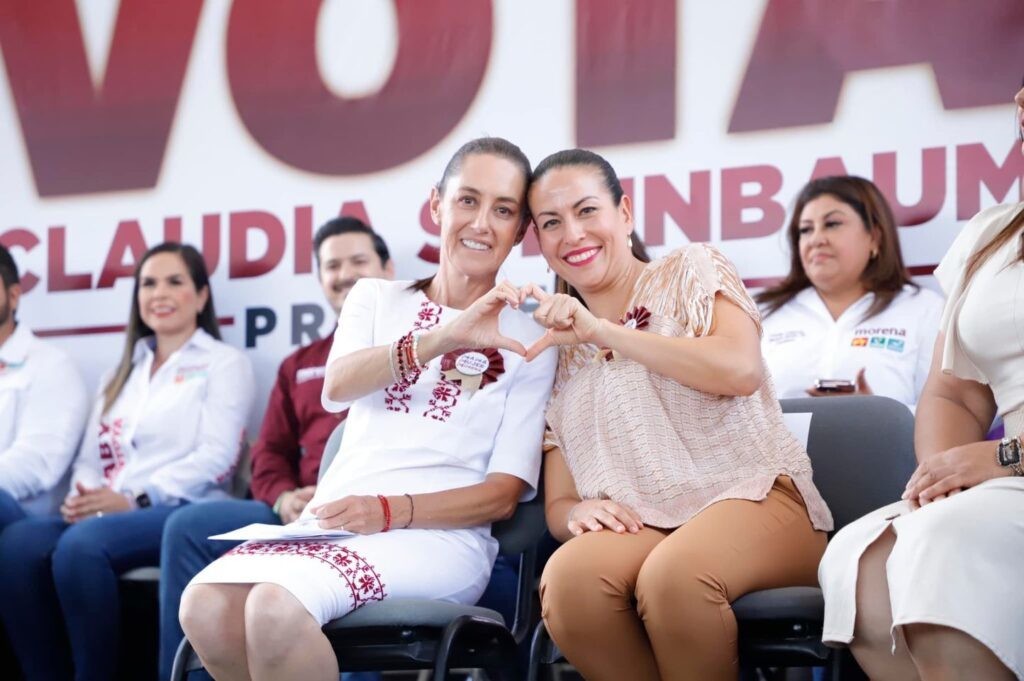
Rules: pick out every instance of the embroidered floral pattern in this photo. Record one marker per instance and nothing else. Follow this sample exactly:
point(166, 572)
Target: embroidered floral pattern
point(364, 582)
point(397, 395)
point(442, 399)
point(450, 386)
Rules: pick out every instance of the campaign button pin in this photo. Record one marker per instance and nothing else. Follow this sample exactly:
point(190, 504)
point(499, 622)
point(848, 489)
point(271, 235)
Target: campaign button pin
point(472, 363)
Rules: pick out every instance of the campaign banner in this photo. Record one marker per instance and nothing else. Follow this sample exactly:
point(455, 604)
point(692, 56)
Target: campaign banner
point(241, 126)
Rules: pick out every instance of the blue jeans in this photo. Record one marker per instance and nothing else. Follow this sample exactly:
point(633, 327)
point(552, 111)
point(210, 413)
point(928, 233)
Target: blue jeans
point(59, 597)
point(186, 551)
point(10, 510)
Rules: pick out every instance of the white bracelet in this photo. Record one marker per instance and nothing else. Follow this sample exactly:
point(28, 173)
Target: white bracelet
point(392, 351)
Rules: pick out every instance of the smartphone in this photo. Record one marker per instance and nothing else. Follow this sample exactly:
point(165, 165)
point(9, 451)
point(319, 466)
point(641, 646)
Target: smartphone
point(834, 385)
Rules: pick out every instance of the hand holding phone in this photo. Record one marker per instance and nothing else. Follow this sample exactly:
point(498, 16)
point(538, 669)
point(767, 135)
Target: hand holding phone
point(835, 385)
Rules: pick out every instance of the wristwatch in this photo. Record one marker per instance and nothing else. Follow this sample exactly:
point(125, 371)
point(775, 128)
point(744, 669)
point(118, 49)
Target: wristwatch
point(1008, 455)
point(141, 500)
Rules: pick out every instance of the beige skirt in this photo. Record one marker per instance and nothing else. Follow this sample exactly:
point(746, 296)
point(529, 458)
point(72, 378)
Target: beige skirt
point(956, 563)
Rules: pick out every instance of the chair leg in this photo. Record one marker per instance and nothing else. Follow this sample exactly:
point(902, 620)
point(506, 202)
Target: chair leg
point(181, 659)
point(444, 647)
point(538, 649)
point(843, 666)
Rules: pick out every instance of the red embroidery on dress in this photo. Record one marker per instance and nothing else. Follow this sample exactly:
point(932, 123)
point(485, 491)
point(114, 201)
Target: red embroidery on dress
point(111, 452)
point(364, 582)
point(443, 399)
point(397, 395)
point(449, 387)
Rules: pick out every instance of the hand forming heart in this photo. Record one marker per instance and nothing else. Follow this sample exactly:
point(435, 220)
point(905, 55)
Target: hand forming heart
point(568, 321)
point(477, 327)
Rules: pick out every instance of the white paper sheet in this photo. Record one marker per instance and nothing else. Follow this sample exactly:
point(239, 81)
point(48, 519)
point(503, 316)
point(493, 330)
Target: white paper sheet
point(306, 528)
point(799, 423)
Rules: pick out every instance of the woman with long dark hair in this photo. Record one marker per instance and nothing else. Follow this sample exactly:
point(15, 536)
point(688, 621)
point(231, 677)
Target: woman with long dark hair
point(847, 318)
point(927, 587)
point(165, 430)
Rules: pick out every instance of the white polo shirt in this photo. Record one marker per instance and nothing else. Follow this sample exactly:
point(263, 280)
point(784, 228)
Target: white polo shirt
point(175, 435)
point(802, 343)
point(43, 407)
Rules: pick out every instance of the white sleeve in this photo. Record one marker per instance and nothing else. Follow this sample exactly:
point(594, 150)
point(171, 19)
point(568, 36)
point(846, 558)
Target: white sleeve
point(354, 331)
point(87, 468)
point(225, 411)
point(955, 261)
point(520, 437)
point(48, 430)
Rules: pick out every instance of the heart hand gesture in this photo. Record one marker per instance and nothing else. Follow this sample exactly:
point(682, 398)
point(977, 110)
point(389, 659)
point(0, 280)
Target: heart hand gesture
point(567, 320)
point(477, 327)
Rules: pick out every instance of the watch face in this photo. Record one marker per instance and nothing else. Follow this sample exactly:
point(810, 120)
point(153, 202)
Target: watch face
point(1009, 452)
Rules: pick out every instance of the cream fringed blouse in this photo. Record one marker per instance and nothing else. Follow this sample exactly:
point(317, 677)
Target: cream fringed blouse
point(666, 450)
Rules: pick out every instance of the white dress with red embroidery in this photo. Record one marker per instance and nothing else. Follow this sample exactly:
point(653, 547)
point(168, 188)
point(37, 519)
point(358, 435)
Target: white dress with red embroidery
point(413, 437)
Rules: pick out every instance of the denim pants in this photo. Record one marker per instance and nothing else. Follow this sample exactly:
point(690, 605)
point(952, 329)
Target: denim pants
point(59, 598)
point(10, 510)
point(186, 551)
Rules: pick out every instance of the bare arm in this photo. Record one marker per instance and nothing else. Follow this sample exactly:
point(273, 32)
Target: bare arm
point(366, 371)
point(727, 361)
point(953, 416)
point(560, 494)
point(568, 516)
point(952, 411)
point(491, 500)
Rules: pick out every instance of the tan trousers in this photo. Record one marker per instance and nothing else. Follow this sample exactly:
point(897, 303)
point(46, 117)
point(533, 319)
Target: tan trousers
point(655, 605)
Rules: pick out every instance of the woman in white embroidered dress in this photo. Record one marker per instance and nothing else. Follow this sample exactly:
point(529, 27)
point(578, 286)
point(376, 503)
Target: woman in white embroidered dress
point(928, 587)
point(671, 476)
point(165, 430)
point(438, 444)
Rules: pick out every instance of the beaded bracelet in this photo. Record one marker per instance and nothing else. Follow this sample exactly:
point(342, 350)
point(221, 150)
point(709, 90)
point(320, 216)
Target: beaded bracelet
point(386, 507)
point(400, 360)
point(412, 511)
point(415, 351)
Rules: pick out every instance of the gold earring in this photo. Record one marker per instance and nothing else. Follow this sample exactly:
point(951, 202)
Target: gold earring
point(874, 253)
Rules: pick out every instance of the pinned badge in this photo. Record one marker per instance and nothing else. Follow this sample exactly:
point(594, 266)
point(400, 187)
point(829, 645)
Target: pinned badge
point(473, 369)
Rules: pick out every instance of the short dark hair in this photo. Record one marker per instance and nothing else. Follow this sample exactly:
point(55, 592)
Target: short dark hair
point(347, 224)
point(8, 268)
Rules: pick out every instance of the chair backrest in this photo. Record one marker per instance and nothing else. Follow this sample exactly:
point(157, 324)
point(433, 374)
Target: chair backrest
point(862, 450)
point(524, 529)
point(331, 449)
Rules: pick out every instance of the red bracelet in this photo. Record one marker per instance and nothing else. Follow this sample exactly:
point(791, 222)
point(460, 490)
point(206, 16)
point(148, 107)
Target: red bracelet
point(386, 507)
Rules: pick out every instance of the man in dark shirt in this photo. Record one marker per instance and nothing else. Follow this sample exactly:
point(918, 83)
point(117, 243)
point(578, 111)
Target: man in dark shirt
point(295, 428)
